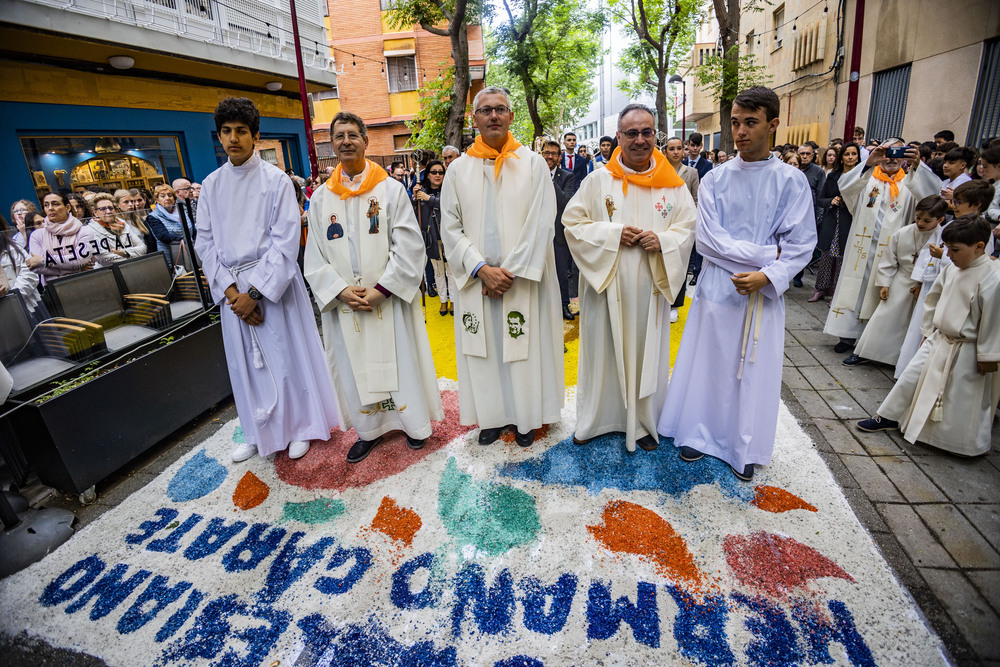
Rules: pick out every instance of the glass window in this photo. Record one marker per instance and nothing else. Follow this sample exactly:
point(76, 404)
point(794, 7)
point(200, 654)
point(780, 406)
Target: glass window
point(778, 21)
point(402, 73)
point(986, 110)
point(888, 107)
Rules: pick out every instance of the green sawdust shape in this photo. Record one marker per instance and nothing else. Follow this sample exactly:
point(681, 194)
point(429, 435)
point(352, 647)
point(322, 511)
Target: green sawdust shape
point(238, 436)
point(321, 510)
point(492, 517)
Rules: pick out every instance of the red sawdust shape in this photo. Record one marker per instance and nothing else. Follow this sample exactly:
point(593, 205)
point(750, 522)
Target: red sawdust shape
point(776, 565)
point(633, 529)
point(508, 435)
point(250, 492)
point(399, 523)
point(773, 499)
point(326, 466)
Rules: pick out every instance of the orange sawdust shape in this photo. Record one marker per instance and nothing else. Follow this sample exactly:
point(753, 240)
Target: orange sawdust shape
point(399, 523)
point(508, 435)
point(633, 529)
point(773, 499)
point(250, 492)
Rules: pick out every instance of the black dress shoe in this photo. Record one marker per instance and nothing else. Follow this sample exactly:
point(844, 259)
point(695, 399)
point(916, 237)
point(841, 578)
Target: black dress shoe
point(694, 281)
point(577, 441)
point(524, 439)
point(843, 346)
point(431, 292)
point(746, 474)
point(488, 436)
point(854, 360)
point(648, 443)
point(361, 449)
point(568, 315)
point(413, 443)
point(797, 282)
point(690, 454)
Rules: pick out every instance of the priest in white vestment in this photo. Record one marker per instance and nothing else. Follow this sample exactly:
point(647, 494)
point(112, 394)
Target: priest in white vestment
point(497, 208)
point(881, 196)
point(756, 229)
point(364, 261)
point(630, 228)
point(248, 243)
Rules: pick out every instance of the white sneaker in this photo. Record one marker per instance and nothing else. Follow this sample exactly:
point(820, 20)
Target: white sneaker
point(297, 449)
point(673, 315)
point(244, 452)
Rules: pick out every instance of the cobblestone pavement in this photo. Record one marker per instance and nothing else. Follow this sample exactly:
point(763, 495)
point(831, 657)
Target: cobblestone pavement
point(936, 517)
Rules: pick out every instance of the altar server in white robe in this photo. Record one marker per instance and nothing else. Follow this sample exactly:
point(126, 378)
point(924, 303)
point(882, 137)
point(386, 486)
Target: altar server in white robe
point(248, 242)
point(881, 196)
point(948, 394)
point(630, 228)
point(364, 261)
point(497, 208)
point(885, 332)
point(756, 229)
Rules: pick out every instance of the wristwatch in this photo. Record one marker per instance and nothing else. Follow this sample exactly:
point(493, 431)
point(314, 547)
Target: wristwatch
point(254, 293)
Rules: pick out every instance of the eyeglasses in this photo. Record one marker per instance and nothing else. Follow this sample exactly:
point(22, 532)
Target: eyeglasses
point(106, 209)
point(550, 153)
point(20, 211)
point(646, 132)
point(436, 172)
point(486, 112)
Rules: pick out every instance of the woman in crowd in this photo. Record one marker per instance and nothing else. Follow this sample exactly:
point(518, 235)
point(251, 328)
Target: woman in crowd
point(129, 205)
point(15, 275)
point(64, 245)
point(142, 201)
point(116, 238)
point(829, 162)
point(18, 211)
point(427, 201)
point(791, 157)
point(79, 206)
point(835, 224)
point(164, 220)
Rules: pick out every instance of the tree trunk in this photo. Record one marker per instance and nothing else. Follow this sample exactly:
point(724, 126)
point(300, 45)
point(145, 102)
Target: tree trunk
point(729, 29)
point(531, 96)
point(455, 126)
point(661, 100)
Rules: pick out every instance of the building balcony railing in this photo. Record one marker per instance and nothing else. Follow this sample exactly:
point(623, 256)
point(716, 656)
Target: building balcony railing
point(259, 27)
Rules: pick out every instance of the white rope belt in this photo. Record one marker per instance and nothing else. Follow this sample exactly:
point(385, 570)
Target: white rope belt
point(259, 360)
point(755, 306)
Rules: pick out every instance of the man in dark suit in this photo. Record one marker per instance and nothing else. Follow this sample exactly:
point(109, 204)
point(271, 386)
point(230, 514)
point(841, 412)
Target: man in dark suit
point(696, 161)
point(565, 184)
point(572, 162)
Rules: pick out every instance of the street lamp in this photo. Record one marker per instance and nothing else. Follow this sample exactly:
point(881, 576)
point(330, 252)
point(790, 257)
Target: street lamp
point(676, 78)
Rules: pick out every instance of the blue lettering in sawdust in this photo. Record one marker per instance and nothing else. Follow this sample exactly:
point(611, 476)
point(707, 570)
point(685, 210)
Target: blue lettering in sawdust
point(493, 609)
point(256, 544)
point(158, 592)
point(171, 542)
point(180, 617)
point(214, 537)
point(403, 596)
point(700, 628)
point(604, 615)
point(818, 631)
point(339, 585)
point(366, 643)
point(109, 591)
point(775, 643)
point(149, 528)
point(291, 564)
point(536, 596)
point(86, 572)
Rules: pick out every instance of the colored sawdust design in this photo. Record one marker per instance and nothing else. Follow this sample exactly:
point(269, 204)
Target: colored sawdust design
point(777, 565)
point(238, 437)
point(633, 529)
point(773, 499)
point(368, 643)
point(320, 510)
point(492, 517)
point(399, 523)
point(540, 434)
point(250, 492)
point(198, 477)
point(326, 466)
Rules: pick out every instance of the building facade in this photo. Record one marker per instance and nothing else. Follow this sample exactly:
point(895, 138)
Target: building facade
point(381, 69)
point(924, 66)
point(122, 94)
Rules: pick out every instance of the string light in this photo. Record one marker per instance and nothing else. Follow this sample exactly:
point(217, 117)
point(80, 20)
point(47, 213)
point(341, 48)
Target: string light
point(268, 30)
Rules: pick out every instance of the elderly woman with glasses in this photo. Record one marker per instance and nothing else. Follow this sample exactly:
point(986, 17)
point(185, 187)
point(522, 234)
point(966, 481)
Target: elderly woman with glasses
point(116, 238)
point(64, 245)
point(18, 211)
point(164, 220)
point(427, 202)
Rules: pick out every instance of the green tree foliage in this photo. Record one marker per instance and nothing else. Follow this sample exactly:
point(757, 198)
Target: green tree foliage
point(547, 51)
point(429, 124)
point(499, 75)
point(712, 75)
point(660, 35)
point(446, 18)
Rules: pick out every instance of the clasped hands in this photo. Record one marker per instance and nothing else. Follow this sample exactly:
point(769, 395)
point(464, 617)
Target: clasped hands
point(645, 239)
point(749, 282)
point(244, 306)
point(496, 280)
point(361, 298)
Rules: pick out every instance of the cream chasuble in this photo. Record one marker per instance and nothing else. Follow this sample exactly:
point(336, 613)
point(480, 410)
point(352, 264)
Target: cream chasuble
point(940, 398)
point(877, 215)
point(625, 297)
point(509, 350)
point(380, 360)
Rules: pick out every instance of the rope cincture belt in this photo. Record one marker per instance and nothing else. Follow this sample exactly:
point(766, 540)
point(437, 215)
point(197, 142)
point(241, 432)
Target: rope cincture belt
point(755, 306)
point(259, 360)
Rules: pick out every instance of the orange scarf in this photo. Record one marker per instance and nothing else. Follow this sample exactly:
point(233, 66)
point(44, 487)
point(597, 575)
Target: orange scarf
point(662, 175)
point(893, 182)
point(480, 149)
point(376, 175)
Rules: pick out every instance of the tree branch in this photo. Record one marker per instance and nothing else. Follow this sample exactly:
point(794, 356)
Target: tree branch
point(434, 30)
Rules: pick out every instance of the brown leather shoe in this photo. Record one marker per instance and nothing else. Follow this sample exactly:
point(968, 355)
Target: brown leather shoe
point(648, 442)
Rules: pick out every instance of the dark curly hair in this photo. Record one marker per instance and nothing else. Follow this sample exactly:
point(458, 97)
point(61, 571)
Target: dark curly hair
point(240, 110)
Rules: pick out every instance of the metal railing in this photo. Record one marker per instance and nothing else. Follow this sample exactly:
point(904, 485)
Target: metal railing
point(259, 27)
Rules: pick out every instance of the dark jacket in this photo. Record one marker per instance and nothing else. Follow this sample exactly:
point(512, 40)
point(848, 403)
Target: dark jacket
point(816, 176)
point(429, 215)
point(566, 185)
point(829, 220)
point(704, 166)
point(581, 167)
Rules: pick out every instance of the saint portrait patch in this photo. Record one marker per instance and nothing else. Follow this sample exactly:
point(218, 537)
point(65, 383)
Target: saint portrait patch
point(373, 211)
point(515, 324)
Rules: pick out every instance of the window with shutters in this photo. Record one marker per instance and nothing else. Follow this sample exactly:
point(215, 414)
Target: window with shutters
point(402, 73)
point(888, 106)
point(985, 122)
point(269, 155)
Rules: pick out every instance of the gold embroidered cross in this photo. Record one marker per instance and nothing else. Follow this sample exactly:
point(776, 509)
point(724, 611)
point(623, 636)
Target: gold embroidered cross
point(859, 245)
point(837, 312)
point(881, 246)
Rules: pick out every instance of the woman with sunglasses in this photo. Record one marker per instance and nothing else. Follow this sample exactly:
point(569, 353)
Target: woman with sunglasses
point(427, 202)
point(116, 238)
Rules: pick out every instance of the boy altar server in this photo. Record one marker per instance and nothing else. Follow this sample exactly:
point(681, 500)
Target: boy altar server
point(364, 261)
point(881, 196)
point(756, 229)
point(497, 208)
point(948, 393)
point(884, 334)
point(248, 241)
point(630, 228)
